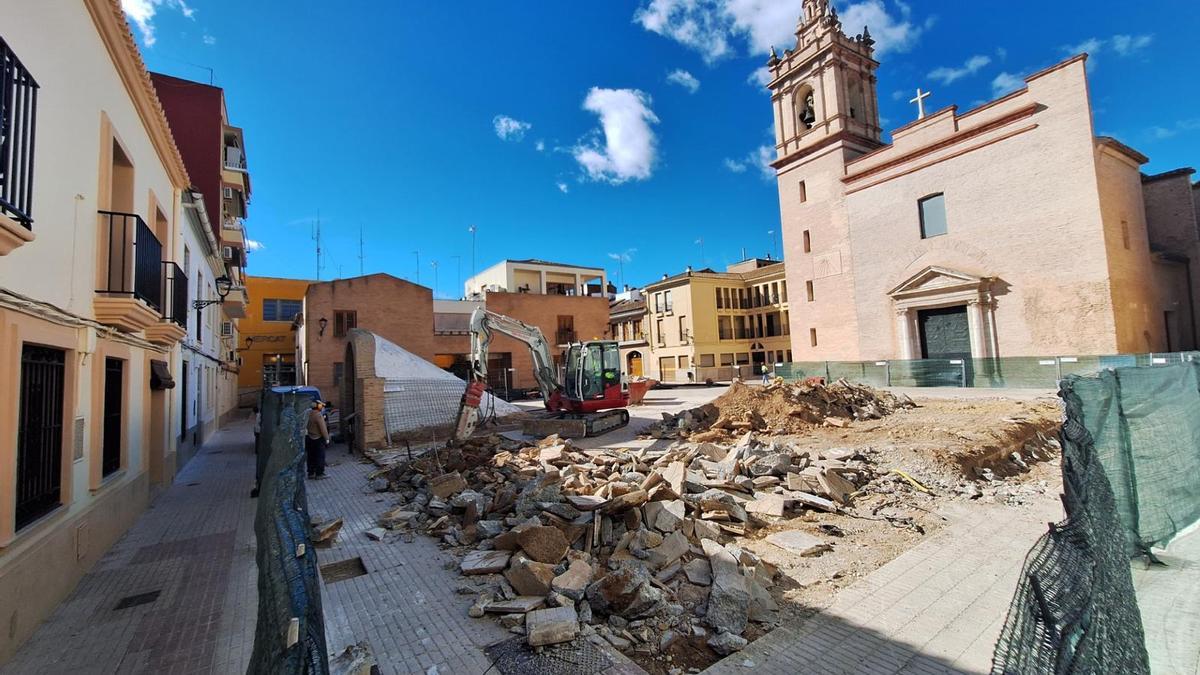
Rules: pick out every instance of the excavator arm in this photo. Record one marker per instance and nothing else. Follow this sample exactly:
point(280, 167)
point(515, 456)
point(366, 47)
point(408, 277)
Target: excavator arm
point(483, 325)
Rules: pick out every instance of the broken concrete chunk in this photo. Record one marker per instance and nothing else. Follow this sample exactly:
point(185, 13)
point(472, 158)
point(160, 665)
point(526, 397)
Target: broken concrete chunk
point(396, 517)
point(669, 551)
point(326, 531)
point(729, 598)
point(544, 543)
point(674, 475)
point(520, 604)
point(551, 626)
point(447, 485)
point(705, 529)
point(767, 505)
point(529, 577)
point(574, 581)
point(586, 502)
point(698, 571)
point(626, 501)
point(484, 562)
point(626, 592)
point(775, 464)
point(836, 487)
point(376, 533)
point(726, 643)
point(552, 453)
point(800, 543)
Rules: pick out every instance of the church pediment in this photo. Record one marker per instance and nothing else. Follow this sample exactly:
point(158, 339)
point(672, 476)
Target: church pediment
point(936, 280)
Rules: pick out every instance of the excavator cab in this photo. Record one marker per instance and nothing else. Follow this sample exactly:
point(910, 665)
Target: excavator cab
point(593, 370)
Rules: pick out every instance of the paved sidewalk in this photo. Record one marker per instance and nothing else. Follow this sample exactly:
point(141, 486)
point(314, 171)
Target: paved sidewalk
point(935, 609)
point(405, 606)
point(1169, 598)
point(195, 547)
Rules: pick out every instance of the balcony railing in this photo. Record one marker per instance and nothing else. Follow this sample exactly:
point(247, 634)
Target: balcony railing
point(18, 114)
point(175, 293)
point(134, 259)
point(234, 159)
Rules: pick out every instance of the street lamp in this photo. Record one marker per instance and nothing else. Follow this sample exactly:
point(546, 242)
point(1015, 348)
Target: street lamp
point(224, 286)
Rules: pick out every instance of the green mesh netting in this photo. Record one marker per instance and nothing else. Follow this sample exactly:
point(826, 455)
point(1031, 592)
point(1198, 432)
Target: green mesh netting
point(288, 582)
point(1074, 610)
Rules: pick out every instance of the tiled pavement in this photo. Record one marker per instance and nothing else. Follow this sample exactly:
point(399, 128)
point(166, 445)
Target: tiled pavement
point(1169, 597)
point(405, 606)
point(195, 546)
point(935, 609)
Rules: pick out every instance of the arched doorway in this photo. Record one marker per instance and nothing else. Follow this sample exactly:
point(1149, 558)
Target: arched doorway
point(633, 364)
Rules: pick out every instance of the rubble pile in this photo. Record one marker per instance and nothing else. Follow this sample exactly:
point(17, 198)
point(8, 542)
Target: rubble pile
point(779, 408)
point(630, 547)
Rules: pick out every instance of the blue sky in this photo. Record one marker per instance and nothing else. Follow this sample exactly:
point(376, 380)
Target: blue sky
point(588, 132)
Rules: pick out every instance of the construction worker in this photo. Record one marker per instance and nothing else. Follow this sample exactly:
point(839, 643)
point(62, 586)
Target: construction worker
point(765, 379)
point(316, 440)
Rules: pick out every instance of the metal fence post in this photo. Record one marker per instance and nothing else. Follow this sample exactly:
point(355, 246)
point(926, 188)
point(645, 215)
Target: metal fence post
point(887, 372)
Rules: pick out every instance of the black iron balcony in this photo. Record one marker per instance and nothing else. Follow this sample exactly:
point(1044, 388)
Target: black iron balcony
point(175, 292)
point(18, 114)
point(134, 257)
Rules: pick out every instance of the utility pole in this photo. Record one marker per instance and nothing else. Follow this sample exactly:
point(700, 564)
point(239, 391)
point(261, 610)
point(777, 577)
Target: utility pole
point(418, 255)
point(771, 244)
point(700, 241)
point(434, 264)
point(317, 238)
point(360, 251)
point(472, 230)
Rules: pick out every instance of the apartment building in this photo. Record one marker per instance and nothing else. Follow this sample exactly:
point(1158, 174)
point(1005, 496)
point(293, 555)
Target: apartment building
point(538, 277)
point(93, 298)
point(627, 325)
point(268, 349)
point(704, 325)
point(214, 152)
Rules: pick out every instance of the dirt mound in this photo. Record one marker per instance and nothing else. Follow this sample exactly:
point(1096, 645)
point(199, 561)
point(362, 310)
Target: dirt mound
point(780, 408)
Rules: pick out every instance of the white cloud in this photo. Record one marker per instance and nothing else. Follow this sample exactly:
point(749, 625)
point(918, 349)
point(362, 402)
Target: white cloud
point(540, 146)
point(209, 40)
point(141, 13)
point(891, 33)
point(630, 148)
point(713, 27)
point(1001, 53)
point(1005, 83)
point(1182, 126)
point(684, 79)
point(509, 129)
point(562, 187)
point(761, 157)
point(1089, 46)
point(254, 245)
point(625, 256)
point(947, 75)
point(761, 77)
point(1128, 44)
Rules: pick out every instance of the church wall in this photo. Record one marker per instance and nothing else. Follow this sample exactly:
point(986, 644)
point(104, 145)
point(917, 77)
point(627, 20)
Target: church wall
point(829, 265)
point(1137, 311)
point(1171, 213)
point(1022, 206)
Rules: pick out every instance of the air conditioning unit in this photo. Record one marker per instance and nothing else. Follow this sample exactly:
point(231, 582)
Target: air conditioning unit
point(227, 252)
point(226, 328)
point(227, 192)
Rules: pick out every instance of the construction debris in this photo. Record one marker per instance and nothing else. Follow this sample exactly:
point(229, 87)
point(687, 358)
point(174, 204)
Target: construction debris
point(781, 408)
point(644, 548)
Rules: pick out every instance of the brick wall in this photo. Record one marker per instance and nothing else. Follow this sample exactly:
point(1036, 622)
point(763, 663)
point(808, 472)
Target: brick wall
point(395, 309)
point(590, 317)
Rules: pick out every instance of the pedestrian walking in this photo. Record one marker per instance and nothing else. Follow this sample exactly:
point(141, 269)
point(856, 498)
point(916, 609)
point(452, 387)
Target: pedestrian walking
point(765, 379)
point(257, 464)
point(316, 440)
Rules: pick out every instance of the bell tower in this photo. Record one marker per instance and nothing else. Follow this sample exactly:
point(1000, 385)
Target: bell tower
point(825, 88)
point(823, 92)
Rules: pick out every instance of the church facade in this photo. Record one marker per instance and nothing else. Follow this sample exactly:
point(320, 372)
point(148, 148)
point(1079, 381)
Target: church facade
point(1007, 230)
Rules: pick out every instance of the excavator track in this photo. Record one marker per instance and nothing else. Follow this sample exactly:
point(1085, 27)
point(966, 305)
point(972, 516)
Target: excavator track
point(576, 425)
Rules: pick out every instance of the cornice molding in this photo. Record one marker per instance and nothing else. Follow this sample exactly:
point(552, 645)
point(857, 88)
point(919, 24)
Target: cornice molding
point(118, 39)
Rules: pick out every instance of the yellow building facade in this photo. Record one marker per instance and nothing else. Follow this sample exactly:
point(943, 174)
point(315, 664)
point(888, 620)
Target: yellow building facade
point(715, 326)
point(267, 347)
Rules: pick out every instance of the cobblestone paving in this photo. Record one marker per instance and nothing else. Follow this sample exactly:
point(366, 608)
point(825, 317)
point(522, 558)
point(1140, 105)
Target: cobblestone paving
point(195, 546)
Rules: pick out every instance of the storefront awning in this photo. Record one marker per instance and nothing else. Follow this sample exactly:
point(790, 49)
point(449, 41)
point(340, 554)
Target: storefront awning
point(160, 376)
